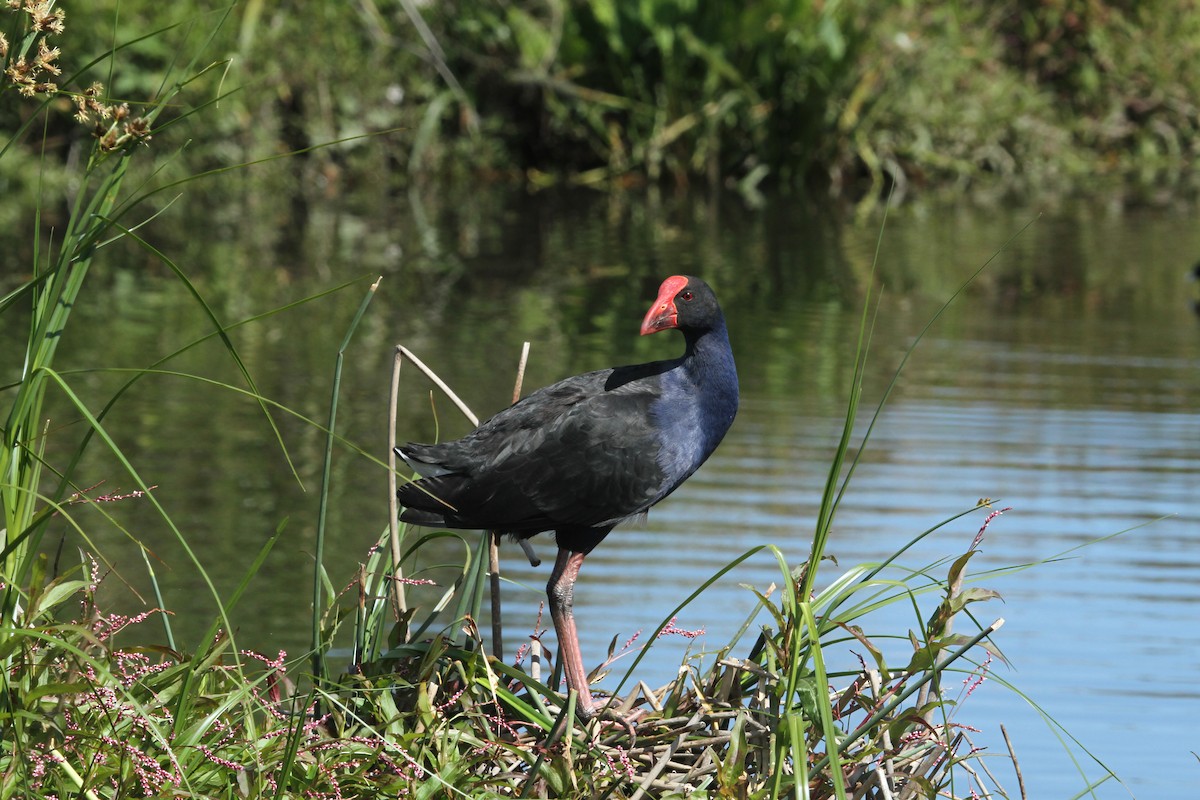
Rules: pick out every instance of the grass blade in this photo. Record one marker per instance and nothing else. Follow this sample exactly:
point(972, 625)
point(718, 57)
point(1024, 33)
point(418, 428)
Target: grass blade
point(318, 644)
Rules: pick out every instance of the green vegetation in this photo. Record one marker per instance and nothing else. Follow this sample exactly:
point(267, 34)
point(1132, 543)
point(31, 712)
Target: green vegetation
point(846, 97)
point(423, 712)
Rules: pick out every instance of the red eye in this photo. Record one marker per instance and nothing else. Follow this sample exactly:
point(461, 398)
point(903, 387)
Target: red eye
point(686, 296)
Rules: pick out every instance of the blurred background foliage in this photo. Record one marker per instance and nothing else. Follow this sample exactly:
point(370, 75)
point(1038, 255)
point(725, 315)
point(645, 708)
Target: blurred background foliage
point(848, 97)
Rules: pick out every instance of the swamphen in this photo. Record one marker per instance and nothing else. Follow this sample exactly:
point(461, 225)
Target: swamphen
point(587, 453)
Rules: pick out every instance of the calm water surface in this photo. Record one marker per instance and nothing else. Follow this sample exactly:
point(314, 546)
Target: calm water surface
point(1062, 384)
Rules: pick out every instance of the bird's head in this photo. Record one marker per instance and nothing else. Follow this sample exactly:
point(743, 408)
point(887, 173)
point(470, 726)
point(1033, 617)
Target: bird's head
point(683, 302)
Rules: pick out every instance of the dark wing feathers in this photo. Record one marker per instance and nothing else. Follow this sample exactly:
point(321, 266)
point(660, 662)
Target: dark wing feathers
point(582, 452)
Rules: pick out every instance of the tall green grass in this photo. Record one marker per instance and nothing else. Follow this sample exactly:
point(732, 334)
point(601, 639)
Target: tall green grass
point(60, 268)
point(77, 712)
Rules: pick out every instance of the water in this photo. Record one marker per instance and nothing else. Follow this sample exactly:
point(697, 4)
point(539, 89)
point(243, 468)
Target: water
point(1062, 384)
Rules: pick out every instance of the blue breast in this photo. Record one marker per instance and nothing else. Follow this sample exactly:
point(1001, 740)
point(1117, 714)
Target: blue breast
point(698, 402)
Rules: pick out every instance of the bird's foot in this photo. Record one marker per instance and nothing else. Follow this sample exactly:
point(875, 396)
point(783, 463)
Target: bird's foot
point(605, 716)
point(627, 720)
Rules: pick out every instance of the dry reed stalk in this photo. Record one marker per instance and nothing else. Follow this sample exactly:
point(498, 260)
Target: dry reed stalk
point(494, 537)
point(402, 353)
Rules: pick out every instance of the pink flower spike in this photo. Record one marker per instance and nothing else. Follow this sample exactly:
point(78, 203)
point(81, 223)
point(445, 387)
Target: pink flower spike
point(673, 630)
point(979, 536)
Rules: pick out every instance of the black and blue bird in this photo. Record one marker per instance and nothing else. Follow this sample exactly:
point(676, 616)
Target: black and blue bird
point(585, 454)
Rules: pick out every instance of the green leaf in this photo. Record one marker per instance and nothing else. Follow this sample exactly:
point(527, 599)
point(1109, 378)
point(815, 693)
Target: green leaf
point(731, 770)
point(535, 42)
point(955, 574)
point(33, 695)
point(52, 596)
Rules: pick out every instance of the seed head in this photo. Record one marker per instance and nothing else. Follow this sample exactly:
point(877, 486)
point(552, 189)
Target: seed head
point(89, 107)
point(138, 128)
point(46, 57)
point(45, 19)
point(108, 139)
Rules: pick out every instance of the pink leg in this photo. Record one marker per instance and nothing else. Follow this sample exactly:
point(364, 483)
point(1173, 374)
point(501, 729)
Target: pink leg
point(561, 592)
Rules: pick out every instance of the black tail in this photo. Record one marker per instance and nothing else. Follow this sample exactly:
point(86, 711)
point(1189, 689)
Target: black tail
point(416, 516)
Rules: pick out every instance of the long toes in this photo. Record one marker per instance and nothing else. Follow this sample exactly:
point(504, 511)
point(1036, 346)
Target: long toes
point(627, 721)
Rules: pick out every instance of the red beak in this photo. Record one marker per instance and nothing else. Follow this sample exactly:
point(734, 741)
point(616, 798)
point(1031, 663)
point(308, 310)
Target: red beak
point(662, 314)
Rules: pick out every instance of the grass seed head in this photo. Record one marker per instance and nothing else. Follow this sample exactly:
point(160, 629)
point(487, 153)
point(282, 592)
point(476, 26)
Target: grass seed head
point(29, 75)
point(44, 18)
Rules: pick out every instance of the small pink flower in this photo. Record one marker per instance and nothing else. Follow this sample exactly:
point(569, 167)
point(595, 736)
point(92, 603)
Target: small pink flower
point(673, 630)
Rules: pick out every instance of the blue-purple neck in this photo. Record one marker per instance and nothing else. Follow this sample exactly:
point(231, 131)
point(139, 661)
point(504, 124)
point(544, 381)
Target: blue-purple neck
point(698, 403)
